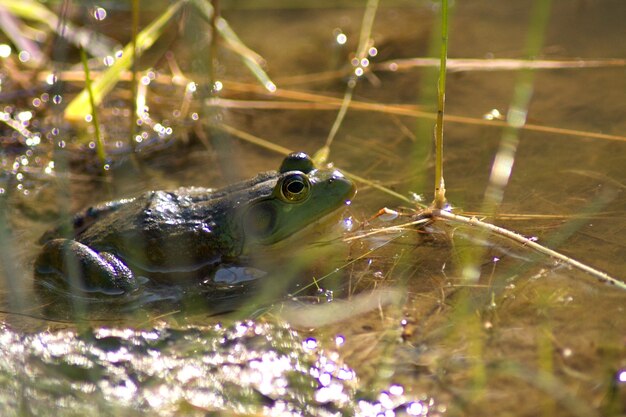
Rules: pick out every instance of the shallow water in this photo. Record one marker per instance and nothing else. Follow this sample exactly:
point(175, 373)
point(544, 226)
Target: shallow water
point(530, 336)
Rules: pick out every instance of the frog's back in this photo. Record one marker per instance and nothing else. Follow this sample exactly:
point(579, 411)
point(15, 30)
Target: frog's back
point(161, 231)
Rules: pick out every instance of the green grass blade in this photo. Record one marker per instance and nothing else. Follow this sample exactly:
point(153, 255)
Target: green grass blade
point(440, 189)
point(32, 10)
point(96, 44)
point(80, 106)
point(251, 59)
point(94, 114)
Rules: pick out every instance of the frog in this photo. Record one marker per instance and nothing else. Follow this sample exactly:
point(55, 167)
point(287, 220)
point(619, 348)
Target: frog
point(189, 233)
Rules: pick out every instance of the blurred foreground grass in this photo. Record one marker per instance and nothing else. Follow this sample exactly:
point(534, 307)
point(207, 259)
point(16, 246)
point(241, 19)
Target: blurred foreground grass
point(507, 341)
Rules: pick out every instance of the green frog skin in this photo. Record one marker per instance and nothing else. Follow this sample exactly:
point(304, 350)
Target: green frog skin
point(186, 234)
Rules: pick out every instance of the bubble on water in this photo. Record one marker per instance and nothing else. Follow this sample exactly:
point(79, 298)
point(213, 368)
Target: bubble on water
point(57, 99)
point(24, 56)
point(108, 60)
point(372, 51)
point(341, 38)
point(99, 13)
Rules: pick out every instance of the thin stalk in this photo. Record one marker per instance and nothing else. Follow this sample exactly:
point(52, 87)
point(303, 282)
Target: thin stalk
point(440, 189)
point(321, 156)
point(213, 46)
point(473, 221)
point(94, 113)
point(133, 113)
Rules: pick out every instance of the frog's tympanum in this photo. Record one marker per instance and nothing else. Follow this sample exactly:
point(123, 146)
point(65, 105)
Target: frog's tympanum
point(168, 236)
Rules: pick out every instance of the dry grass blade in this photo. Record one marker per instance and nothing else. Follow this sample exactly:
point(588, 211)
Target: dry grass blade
point(397, 109)
point(462, 64)
point(601, 276)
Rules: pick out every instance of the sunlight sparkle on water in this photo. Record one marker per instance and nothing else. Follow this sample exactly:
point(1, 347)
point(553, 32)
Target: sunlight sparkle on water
point(415, 408)
point(494, 114)
point(5, 50)
point(310, 343)
point(270, 86)
point(33, 141)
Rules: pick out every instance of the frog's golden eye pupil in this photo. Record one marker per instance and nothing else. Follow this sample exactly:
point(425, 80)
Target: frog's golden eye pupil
point(295, 188)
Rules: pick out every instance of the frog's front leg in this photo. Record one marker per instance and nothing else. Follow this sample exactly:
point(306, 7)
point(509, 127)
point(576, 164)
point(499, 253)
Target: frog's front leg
point(81, 267)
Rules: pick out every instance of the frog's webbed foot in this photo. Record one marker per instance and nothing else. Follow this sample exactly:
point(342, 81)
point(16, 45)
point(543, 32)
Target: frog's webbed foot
point(76, 265)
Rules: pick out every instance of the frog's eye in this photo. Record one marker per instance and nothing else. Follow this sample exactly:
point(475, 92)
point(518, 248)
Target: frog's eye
point(295, 188)
point(298, 161)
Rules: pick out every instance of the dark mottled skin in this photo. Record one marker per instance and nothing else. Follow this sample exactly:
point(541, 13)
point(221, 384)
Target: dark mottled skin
point(185, 233)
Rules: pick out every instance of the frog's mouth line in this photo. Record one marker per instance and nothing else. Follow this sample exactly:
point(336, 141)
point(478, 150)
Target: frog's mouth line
point(326, 229)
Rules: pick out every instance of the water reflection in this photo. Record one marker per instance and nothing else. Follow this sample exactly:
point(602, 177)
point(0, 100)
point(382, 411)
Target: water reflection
point(252, 368)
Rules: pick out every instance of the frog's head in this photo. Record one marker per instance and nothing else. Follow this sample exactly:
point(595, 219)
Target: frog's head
point(296, 197)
